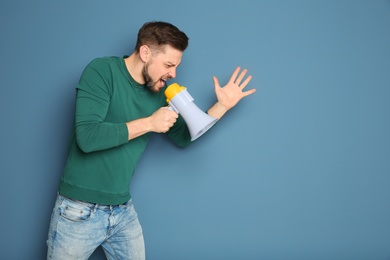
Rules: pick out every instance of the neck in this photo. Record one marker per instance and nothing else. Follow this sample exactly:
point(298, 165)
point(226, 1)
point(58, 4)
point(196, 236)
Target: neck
point(135, 66)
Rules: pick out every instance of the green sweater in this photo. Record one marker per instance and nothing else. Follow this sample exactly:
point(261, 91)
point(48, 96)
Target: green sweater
point(101, 160)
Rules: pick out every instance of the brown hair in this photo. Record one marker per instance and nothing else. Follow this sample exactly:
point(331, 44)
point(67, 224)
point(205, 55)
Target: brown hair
point(157, 34)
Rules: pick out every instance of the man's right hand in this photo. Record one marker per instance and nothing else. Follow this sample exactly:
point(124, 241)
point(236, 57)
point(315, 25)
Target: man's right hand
point(162, 120)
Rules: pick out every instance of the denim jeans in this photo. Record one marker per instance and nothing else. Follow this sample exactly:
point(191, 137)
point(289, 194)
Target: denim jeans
point(78, 228)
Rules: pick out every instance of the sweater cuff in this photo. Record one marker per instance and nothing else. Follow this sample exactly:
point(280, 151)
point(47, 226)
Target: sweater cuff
point(123, 134)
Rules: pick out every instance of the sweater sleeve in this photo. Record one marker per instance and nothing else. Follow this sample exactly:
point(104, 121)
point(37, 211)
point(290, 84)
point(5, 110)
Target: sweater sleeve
point(92, 103)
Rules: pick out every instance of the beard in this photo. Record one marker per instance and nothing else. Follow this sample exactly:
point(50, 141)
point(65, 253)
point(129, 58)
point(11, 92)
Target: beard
point(147, 78)
point(149, 82)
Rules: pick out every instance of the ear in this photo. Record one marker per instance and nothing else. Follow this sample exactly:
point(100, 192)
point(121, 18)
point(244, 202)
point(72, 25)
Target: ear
point(145, 53)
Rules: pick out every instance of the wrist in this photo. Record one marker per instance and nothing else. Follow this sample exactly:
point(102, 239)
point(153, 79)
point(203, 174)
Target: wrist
point(139, 127)
point(218, 110)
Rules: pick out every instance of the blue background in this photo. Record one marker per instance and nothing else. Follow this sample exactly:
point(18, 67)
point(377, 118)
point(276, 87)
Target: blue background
point(299, 170)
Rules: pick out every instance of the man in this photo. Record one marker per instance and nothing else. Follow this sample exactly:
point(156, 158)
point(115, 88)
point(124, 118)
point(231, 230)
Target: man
point(119, 103)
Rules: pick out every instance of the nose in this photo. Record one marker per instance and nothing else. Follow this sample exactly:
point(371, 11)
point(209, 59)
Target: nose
point(172, 73)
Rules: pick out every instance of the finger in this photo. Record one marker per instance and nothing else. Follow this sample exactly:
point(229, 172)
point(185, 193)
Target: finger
point(216, 82)
point(246, 81)
point(172, 113)
point(242, 74)
point(172, 119)
point(234, 75)
point(248, 92)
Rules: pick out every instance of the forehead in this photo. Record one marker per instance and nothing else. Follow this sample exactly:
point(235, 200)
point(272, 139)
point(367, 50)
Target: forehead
point(170, 55)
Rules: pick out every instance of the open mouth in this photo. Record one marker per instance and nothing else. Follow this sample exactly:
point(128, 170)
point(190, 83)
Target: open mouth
point(163, 81)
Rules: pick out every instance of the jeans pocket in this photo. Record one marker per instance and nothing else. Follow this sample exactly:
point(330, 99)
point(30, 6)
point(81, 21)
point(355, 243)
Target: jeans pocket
point(75, 211)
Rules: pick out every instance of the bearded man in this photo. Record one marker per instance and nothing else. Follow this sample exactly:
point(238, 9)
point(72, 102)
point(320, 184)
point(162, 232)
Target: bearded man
point(119, 104)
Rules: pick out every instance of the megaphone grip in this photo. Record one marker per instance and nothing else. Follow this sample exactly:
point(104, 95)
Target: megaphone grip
point(172, 107)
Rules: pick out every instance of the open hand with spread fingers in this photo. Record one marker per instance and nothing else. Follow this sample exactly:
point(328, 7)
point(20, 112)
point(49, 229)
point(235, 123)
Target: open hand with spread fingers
point(229, 95)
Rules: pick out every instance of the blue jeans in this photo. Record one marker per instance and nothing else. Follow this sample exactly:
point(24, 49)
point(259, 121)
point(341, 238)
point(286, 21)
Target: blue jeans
point(77, 228)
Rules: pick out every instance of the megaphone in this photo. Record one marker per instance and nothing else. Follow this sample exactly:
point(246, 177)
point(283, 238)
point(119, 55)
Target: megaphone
point(181, 102)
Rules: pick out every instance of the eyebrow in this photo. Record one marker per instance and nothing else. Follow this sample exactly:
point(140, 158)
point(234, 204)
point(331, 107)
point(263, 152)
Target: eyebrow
point(171, 64)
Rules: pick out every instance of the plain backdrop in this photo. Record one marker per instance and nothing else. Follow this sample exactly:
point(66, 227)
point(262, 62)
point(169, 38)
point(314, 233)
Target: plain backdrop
point(299, 170)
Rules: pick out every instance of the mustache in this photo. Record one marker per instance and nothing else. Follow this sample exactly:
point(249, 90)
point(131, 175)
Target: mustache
point(149, 82)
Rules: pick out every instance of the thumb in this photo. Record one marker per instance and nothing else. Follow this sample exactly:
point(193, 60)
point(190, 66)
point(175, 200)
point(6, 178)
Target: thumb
point(216, 83)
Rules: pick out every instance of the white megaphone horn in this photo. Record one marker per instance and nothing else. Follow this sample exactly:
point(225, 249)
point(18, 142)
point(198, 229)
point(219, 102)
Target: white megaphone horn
point(181, 102)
